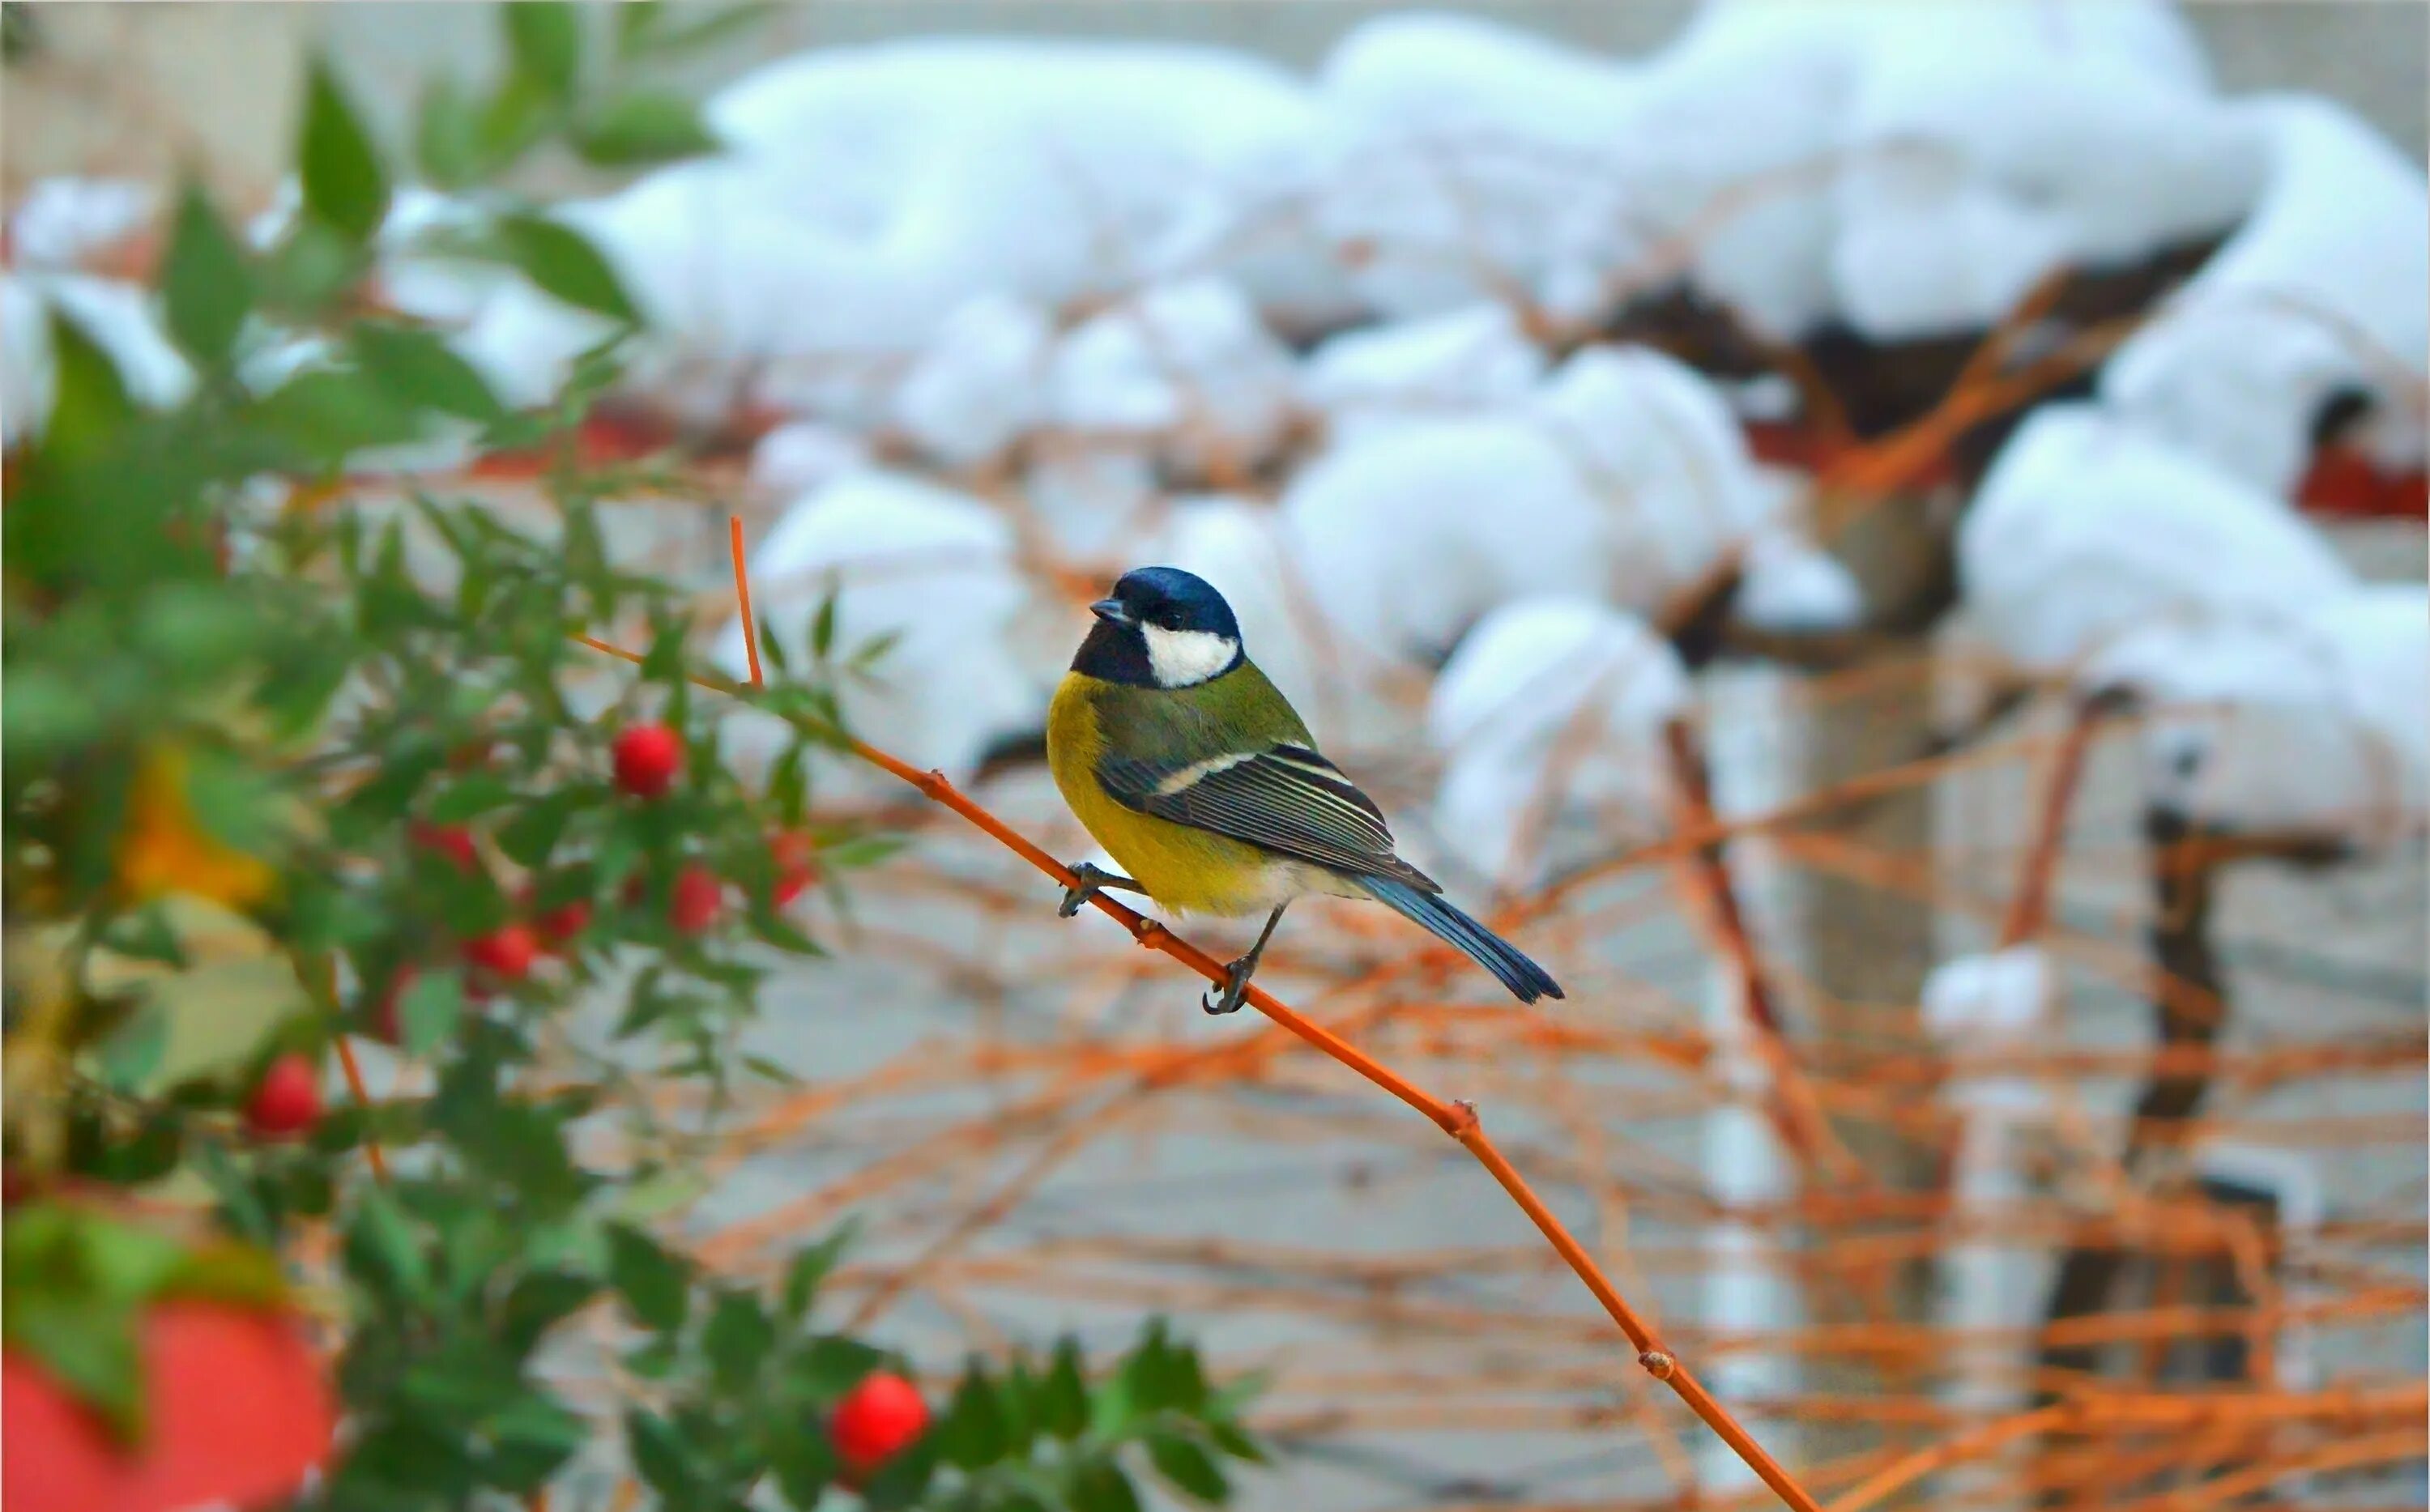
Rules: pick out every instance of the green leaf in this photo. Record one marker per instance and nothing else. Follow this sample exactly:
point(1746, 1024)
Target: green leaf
point(831, 1366)
point(661, 1457)
point(326, 414)
point(642, 126)
point(736, 1339)
point(803, 1463)
point(311, 266)
point(89, 405)
point(344, 187)
point(429, 1010)
point(822, 627)
point(655, 33)
point(205, 281)
point(383, 1247)
point(1235, 1441)
point(89, 1344)
point(538, 1302)
point(1100, 1485)
point(419, 370)
point(133, 1054)
point(974, 1432)
point(563, 265)
point(656, 1285)
point(530, 835)
point(448, 144)
point(810, 1267)
point(544, 38)
point(1063, 1396)
point(1186, 1465)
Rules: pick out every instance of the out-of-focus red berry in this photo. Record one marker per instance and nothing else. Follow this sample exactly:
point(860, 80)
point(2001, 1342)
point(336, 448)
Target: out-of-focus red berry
point(561, 923)
point(453, 841)
point(287, 1100)
point(508, 951)
point(696, 900)
point(798, 866)
point(876, 1421)
point(647, 757)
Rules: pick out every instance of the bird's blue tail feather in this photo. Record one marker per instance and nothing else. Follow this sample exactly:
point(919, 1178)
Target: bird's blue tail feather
point(1526, 980)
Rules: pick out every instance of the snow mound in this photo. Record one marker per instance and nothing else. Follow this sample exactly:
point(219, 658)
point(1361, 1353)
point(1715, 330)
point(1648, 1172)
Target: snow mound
point(802, 456)
point(977, 386)
point(929, 567)
point(1991, 144)
point(1621, 478)
point(1546, 692)
point(2312, 724)
point(1458, 362)
point(1186, 366)
point(2088, 528)
point(2324, 289)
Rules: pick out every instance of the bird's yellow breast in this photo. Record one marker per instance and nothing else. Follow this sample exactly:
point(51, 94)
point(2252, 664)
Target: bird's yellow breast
point(1186, 870)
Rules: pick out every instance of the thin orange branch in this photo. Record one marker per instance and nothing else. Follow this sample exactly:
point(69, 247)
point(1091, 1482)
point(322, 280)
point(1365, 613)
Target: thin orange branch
point(1457, 1119)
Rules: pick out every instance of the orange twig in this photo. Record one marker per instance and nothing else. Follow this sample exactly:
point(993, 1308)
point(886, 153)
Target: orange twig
point(1458, 1119)
point(363, 1100)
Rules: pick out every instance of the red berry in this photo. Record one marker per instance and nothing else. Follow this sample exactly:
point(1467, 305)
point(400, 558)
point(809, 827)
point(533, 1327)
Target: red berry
point(876, 1421)
point(647, 757)
point(696, 899)
point(564, 922)
point(453, 841)
point(287, 1100)
point(509, 951)
point(796, 865)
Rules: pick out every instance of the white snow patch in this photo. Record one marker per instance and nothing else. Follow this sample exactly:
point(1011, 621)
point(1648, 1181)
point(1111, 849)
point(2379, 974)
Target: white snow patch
point(1552, 704)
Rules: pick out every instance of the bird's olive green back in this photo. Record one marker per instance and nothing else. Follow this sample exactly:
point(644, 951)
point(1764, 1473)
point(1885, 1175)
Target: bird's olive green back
point(1238, 712)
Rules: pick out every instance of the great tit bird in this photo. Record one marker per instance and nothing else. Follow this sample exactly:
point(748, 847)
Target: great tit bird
point(1200, 779)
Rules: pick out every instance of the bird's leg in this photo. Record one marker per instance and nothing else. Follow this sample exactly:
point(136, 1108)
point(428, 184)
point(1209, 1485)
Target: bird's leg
point(1235, 977)
point(1092, 881)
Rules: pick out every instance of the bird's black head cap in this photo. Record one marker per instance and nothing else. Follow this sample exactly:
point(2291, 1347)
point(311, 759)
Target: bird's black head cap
point(1161, 627)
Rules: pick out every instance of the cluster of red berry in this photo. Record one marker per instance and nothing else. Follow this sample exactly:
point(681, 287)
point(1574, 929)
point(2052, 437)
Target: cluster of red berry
point(647, 759)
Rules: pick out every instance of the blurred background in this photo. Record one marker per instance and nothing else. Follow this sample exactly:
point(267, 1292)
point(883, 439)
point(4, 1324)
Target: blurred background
point(1884, 544)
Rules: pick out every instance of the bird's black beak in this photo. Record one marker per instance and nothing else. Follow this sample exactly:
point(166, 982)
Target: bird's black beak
point(1114, 611)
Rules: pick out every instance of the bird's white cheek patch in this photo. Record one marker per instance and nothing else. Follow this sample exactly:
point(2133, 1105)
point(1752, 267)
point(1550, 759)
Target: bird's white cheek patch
point(1180, 657)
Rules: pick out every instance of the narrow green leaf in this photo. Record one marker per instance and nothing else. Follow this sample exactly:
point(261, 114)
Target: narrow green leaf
point(822, 627)
point(544, 38)
point(382, 1246)
point(205, 281)
point(428, 1011)
point(1187, 1467)
point(642, 126)
point(1235, 1441)
point(974, 1432)
point(736, 1339)
point(1100, 1485)
point(89, 405)
point(419, 370)
point(1063, 1395)
point(803, 1463)
point(447, 145)
point(344, 186)
point(661, 1457)
point(655, 1284)
point(564, 265)
point(810, 1267)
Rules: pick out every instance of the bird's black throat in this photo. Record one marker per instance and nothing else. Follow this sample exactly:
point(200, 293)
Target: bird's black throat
point(1115, 654)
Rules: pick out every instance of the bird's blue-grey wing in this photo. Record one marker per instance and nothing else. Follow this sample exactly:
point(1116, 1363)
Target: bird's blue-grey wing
point(1285, 798)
